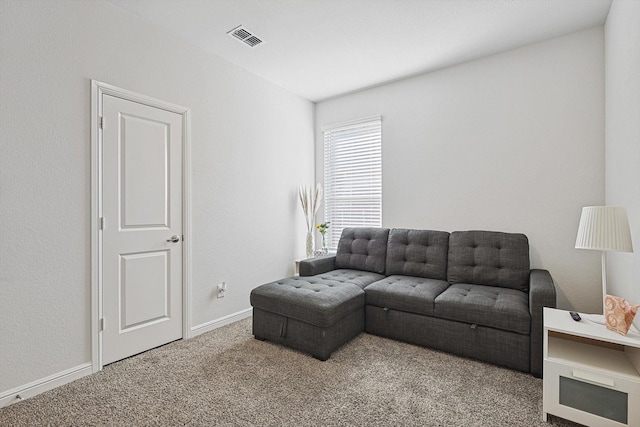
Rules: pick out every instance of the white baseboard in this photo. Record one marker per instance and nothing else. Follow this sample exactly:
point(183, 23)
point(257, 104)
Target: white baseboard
point(44, 384)
point(61, 378)
point(216, 323)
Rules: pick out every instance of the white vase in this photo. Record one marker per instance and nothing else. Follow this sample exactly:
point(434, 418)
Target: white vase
point(311, 244)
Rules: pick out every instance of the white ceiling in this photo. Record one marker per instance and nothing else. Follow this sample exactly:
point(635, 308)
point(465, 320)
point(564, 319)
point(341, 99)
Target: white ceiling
point(320, 49)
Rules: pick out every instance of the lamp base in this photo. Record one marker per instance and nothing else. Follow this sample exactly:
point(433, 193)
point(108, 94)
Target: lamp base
point(603, 257)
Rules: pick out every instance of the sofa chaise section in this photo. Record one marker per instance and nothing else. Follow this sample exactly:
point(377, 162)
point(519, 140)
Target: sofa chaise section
point(318, 314)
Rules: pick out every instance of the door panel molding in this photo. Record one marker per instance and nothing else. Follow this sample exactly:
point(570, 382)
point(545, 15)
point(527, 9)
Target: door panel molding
point(160, 308)
point(136, 211)
point(98, 91)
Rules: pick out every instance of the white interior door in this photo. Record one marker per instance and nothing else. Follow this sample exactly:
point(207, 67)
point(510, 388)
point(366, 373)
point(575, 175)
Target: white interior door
point(142, 236)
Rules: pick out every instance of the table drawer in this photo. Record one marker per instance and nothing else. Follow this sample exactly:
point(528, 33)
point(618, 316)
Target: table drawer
point(590, 396)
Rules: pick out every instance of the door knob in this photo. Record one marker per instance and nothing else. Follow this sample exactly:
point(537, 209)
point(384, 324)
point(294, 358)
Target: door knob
point(174, 239)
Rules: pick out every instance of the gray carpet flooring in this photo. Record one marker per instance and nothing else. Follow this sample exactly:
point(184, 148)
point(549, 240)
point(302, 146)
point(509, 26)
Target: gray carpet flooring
point(227, 378)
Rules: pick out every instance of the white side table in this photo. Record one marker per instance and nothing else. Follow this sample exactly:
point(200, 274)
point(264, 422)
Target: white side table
point(591, 374)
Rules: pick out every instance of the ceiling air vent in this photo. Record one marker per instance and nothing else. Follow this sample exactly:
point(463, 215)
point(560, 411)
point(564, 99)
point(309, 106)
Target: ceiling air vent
point(245, 36)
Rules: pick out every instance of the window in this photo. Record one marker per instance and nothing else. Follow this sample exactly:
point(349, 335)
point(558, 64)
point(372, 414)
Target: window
point(352, 176)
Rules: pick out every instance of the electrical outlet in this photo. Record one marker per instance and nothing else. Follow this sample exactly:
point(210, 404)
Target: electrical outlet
point(222, 288)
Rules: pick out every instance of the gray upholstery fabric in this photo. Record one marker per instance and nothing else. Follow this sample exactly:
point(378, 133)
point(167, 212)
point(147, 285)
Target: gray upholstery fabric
point(542, 293)
point(319, 265)
point(502, 308)
point(363, 249)
point(411, 294)
point(354, 277)
point(312, 300)
point(293, 333)
point(489, 258)
point(491, 345)
point(419, 253)
point(469, 293)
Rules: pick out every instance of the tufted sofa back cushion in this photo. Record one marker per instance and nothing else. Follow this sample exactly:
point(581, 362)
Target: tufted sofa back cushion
point(489, 258)
point(363, 249)
point(418, 253)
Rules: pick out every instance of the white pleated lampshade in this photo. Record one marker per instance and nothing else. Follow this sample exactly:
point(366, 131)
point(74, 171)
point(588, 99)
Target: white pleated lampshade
point(604, 228)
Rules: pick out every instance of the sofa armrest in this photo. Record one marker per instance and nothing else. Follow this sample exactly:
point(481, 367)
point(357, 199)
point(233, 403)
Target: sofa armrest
point(319, 265)
point(542, 293)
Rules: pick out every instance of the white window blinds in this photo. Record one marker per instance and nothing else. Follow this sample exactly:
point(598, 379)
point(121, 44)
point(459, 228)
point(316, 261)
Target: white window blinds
point(352, 176)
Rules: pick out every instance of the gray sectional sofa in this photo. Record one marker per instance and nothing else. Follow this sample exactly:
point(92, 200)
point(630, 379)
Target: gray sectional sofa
point(471, 293)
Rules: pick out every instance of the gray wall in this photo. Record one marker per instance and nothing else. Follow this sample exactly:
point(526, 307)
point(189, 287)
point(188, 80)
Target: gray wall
point(252, 145)
point(622, 65)
point(513, 142)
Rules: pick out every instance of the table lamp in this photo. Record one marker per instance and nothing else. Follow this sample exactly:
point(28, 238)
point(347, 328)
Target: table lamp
point(604, 228)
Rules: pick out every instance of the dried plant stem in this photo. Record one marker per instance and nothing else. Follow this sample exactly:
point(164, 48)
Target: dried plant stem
point(310, 203)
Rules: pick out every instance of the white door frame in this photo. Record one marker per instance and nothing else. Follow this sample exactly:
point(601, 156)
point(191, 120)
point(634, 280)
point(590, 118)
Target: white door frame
point(98, 90)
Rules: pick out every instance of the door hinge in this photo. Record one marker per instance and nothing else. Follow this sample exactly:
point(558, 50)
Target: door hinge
point(101, 223)
point(102, 324)
point(101, 122)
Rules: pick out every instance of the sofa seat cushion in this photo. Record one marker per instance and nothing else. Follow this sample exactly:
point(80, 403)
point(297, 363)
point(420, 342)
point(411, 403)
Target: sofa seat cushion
point(405, 293)
point(495, 307)
point(320, 300)
point(354, 277)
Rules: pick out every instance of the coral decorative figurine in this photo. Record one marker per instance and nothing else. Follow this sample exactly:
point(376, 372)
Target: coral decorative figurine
point(619, 313)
